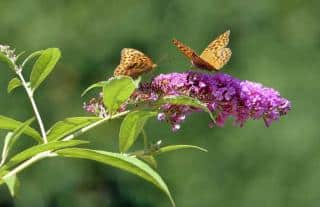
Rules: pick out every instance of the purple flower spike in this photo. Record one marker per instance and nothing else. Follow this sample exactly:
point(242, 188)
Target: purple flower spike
point(222, 93)
point(95, 106)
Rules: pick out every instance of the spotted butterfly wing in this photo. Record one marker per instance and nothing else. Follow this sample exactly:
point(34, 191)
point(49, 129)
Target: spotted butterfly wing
point(133, 63)
point(192, 55)
point(214, 57)
point(216, 54)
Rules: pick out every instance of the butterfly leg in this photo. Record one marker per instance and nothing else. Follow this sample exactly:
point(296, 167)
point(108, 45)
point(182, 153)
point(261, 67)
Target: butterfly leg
point(192, 67)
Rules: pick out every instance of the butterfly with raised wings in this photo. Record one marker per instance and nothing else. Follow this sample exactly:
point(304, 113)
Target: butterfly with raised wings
point(214, 57)
point(133, 63)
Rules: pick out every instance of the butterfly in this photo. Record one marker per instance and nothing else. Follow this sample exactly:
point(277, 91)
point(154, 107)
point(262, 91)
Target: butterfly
point(133, 63)
point(214, 57)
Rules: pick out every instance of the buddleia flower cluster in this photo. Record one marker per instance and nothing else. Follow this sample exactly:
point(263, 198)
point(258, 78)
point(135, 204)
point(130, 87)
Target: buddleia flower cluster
point(223, 95)
point(9, 53)
point(96, 107)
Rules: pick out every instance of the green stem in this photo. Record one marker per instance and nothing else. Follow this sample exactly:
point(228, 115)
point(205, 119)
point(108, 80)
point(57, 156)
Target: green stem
point(87, 128)
point(35, 54)
point(33, 103)
point(27, 163)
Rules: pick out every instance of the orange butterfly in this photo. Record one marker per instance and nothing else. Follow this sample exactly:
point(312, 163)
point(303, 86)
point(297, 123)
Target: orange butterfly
point(214, 57)
point(133, 63)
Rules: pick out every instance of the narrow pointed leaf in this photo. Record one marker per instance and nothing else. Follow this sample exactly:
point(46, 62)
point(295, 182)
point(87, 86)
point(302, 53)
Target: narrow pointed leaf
point(13, 184)
point(43, 66)
point(13, 137)
point(179, 147)
point(95, 85)
point(124, 162)
point(30, 152)
point(131, 127)
point(13, 84)
point(68, 126)
point(116, 91)
point(185, 100)
point(11, 124)
point(5, 149)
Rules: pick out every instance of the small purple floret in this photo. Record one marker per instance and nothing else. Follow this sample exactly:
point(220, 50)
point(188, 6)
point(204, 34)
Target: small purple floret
point(161, 116)
point(175, 127)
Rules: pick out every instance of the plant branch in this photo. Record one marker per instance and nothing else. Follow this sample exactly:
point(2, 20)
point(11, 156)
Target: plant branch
point(33, 103)
point(29, 162)
point(87, 128)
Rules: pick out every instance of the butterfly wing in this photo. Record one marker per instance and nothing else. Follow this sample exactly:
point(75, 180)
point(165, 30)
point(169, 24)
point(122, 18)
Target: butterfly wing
point(218, 43)
point(184, 49)
point(218, 58)
point(216, 54)
point(191, 54)
point(133, 63)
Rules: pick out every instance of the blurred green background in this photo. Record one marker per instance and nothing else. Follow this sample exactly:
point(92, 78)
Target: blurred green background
point(275, 42)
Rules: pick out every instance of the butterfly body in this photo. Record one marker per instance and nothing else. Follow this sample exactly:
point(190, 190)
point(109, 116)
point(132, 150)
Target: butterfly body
point(214, 57)
point(200, 63)
point(133, 63)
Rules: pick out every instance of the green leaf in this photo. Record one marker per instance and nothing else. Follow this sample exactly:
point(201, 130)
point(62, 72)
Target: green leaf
point(43, 66)
point(13, 84)
point(18, 131)
point(185, 100)
point(5, 59)
point(68, 126)
point(95, 85)
point(131, 127)
point(124, 162)
point(12, 137)
point(30, 152)
point(5, 149)
point(116, 91)
point(179, 147)
point(13, 184)
point(11, 124)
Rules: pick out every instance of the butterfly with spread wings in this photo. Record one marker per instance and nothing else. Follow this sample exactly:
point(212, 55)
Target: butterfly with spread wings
point(214, 57)
point(133, 63)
